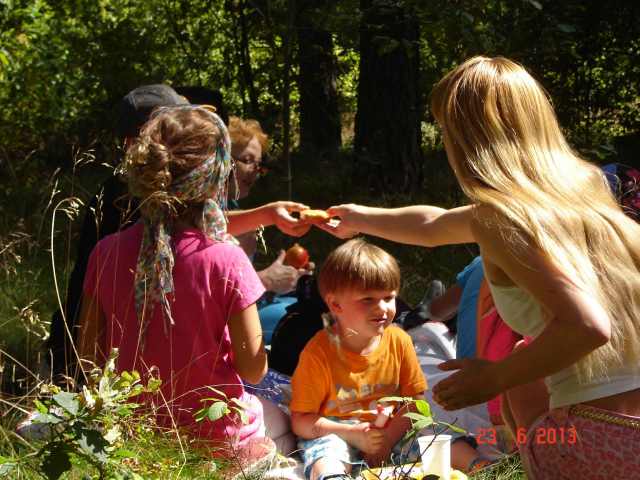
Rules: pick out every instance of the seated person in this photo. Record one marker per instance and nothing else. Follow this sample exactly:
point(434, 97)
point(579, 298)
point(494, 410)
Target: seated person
point(112, 209)
point(302, 320)
point(249, 142)
point(350, 365)
point(173, 293)
point(481, 333)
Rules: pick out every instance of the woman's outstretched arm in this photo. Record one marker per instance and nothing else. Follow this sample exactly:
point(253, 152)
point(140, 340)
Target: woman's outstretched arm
point(274, 213)
point(423, 225)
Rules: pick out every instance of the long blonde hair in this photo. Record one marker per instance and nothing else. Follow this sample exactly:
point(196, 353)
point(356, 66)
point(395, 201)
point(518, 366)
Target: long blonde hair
point(507, 151)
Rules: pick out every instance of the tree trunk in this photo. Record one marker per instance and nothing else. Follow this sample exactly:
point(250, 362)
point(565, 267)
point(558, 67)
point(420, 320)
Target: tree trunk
point(319, 117)
point(246, 63)
point(286, 94)
point(387, 129)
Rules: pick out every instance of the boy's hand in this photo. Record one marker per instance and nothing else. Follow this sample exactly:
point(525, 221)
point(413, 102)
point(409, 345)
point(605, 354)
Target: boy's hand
point(382, 455)
point(366, 439)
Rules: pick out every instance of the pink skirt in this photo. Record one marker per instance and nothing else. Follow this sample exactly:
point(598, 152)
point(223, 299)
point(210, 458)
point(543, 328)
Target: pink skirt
point(582, 442)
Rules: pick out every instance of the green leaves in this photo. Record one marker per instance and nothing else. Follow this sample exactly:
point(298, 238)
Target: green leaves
point(221, 407)
point(421, 418)
point(93, 444)
point(423, 407)
point(7, 466)
point(217, 410)
point(68, 401)
point(89, 424)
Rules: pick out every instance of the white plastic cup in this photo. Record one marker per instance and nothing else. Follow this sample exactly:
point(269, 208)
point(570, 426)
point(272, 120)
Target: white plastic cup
point(436, 460)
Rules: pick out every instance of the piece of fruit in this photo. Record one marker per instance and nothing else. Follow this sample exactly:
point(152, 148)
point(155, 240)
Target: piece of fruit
point(314, 216)
point(297, 256)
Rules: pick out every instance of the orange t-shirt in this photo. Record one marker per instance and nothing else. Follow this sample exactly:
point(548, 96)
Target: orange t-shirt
point(335, 382)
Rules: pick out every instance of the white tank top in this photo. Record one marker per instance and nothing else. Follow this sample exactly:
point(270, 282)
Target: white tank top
point(523, 314)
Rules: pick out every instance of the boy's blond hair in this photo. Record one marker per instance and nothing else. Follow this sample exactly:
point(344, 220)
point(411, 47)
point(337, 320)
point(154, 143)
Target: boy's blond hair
point(358, 265)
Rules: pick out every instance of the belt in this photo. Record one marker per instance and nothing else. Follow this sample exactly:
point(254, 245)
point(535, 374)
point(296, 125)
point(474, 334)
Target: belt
point(597, 414)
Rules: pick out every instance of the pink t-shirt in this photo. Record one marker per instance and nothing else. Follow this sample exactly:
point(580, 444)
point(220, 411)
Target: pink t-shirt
point(212, 281)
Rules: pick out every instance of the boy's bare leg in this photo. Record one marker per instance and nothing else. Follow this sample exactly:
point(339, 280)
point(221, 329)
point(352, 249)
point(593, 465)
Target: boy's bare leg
point(328, 465)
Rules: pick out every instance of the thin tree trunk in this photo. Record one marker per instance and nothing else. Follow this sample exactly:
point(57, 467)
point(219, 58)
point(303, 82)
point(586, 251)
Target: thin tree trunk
point(238, 55)
point(286, 95)
point(246, 62)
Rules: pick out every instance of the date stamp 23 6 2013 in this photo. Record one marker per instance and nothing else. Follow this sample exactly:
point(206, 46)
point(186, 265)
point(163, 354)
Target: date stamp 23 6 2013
point(542, 435)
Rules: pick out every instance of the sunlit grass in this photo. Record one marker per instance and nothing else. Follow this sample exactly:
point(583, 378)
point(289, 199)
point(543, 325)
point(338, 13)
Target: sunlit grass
point(510, 468)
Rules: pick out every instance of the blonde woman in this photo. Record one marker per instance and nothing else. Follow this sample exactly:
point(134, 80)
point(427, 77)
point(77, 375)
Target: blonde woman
point(563, 264)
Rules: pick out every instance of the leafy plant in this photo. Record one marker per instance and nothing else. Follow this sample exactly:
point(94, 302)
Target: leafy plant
point(221, 407)
point(89, 424)
point(421, 418)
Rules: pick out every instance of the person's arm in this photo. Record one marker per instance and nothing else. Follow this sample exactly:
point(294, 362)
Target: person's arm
point(275, 213)
point(423, 225)
point(576, 325)
point(249, 356)
point(91, 342)
point(359, 435)
point(281, 278)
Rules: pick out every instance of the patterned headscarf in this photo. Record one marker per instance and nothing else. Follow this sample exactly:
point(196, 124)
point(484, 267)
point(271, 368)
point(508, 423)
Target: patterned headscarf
point(207, 184)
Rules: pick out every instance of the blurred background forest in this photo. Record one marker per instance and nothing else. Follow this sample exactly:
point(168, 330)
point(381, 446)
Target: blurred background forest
point(341, 86)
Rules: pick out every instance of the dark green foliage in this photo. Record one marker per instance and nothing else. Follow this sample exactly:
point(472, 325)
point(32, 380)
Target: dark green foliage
point(64, 64)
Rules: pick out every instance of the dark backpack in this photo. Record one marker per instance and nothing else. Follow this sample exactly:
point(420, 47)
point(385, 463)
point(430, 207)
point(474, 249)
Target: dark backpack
point(301, 322)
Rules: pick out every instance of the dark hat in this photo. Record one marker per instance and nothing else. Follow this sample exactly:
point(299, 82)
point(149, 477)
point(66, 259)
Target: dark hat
point(203, 95)
point(136, 106)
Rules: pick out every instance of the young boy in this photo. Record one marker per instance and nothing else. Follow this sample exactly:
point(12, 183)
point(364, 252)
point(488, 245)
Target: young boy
point(349, 366)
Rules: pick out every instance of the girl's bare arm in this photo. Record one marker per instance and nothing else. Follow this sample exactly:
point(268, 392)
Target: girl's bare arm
point(249, 356)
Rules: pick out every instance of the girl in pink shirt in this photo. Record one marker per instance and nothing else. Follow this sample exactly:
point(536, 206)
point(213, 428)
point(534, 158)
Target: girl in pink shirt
point(172, 293)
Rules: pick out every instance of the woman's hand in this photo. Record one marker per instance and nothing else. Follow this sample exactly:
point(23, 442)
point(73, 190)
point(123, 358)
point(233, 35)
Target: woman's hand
point(346, 226)
point(476, 381)
point(280, 278)
point(280, 213)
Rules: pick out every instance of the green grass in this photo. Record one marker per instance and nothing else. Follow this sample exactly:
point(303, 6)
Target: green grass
point(510, 468)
